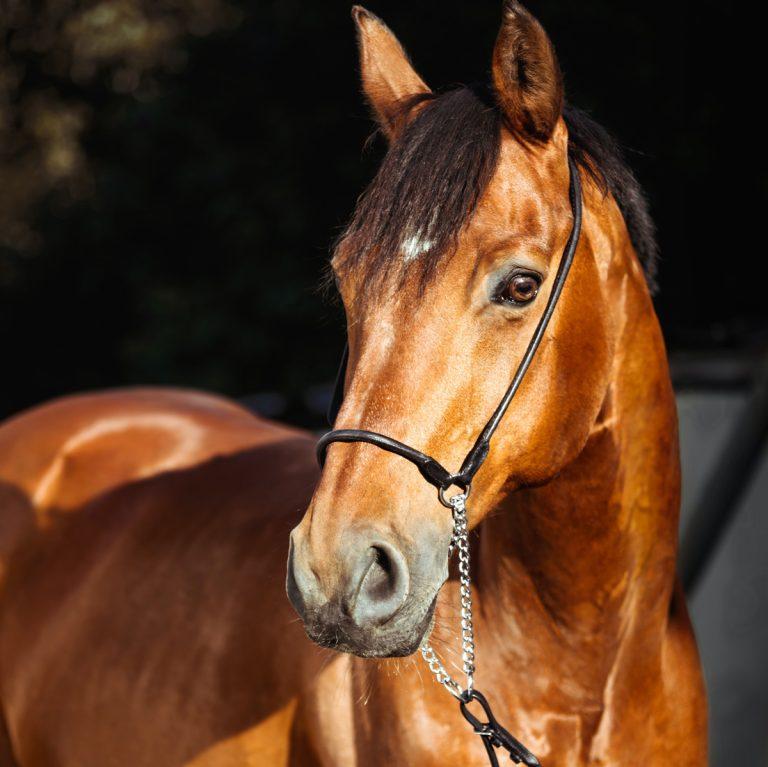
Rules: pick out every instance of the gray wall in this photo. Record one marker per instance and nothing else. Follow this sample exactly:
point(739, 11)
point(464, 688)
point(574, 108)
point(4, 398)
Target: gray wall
point(730, 605)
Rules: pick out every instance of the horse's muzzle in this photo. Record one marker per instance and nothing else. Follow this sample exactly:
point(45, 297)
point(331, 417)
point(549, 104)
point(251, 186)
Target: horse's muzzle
point(373, 608)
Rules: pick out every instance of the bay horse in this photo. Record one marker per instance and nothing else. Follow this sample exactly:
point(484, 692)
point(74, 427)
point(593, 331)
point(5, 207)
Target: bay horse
point(143, 533)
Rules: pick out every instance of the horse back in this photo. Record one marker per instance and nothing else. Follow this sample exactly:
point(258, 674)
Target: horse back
point(64, 453)
point(143, 540)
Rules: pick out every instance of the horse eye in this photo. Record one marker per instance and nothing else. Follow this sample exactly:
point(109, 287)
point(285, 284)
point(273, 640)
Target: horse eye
point(519, 289)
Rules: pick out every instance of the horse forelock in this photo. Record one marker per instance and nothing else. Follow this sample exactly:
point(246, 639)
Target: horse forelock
point(435, 172)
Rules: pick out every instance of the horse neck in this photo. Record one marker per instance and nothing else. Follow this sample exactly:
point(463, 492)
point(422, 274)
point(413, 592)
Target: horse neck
point(580, 565)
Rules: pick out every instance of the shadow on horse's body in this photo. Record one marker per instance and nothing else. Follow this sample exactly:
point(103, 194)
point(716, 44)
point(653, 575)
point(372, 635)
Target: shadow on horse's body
point(144, 619)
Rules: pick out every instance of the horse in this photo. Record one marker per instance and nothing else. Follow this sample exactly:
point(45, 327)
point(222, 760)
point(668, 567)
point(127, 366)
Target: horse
point(144, 532)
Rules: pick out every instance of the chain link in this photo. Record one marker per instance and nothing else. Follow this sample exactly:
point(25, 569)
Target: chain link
point(460, 543)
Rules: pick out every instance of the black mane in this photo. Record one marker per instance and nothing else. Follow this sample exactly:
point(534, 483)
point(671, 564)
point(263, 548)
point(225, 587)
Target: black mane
point(443, 161)
point(598, 154)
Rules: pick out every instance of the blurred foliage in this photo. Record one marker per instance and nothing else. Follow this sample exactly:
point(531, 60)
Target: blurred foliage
point(156, 220)
point(174, 170)
point(59, 61)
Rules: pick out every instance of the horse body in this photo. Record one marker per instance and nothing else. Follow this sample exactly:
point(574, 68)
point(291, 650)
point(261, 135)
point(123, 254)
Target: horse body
point(143, 618)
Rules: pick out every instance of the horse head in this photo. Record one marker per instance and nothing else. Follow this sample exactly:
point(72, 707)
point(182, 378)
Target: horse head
point(444, 271)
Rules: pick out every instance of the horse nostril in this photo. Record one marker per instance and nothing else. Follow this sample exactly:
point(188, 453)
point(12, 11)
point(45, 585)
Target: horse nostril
point(383, 588)
point(301, 584)
point(379, 580)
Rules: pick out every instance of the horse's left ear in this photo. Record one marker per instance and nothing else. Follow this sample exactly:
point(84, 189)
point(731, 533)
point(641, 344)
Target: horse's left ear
point(389, 79)
point(526, 75)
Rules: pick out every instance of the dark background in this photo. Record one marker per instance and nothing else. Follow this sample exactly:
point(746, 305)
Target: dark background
point(174, 174)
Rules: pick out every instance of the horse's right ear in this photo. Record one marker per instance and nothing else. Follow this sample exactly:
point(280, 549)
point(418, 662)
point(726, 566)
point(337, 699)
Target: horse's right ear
point(389, 79)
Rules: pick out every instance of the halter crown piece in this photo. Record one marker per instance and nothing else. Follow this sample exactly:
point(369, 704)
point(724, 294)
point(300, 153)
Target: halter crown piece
point(493, 735)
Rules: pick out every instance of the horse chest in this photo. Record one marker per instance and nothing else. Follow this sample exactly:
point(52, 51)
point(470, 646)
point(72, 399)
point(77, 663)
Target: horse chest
point(384, 713)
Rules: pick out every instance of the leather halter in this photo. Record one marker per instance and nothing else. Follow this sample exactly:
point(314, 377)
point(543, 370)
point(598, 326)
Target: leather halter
point(431, 469)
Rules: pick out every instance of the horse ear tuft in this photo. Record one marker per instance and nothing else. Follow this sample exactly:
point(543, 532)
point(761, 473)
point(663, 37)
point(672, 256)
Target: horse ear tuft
point(389, 80)
point(526, 75)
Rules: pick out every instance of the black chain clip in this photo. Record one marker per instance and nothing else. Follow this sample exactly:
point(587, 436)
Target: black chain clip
point(493, 734)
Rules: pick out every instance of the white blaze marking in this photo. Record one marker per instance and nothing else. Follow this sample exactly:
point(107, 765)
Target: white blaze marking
point(414, 246)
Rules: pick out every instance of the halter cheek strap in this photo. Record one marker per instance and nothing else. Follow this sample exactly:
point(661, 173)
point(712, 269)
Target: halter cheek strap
point(431, 469)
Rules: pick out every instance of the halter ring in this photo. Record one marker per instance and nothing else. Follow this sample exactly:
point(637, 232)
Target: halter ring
point(447, 501)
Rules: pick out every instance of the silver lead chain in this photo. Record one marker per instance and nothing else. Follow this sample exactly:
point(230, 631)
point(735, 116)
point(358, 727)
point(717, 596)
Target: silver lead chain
point(459, 542)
